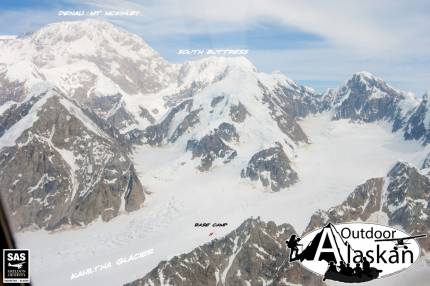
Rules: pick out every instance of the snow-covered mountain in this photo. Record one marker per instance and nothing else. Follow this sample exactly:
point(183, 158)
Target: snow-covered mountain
point(62, 106)
point(100, 65)
point(228, 111)
point(76, 95)
point(367, 98)
point(253, 254)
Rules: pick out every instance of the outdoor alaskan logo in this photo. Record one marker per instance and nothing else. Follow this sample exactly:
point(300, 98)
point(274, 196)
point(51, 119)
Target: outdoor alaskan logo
point(355, 252)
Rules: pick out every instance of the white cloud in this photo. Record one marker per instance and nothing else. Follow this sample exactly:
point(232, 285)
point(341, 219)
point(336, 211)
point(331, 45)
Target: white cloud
point(365, 26)
point(388, 38)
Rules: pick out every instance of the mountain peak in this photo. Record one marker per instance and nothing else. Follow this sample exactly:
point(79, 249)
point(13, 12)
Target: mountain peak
point(90, 35)
point(87, 26)
point(220, 62)
point(208, 69)
point(111, 59)
point(364, 74)
point(358, 97)
point(366, 78)
point(365, 81)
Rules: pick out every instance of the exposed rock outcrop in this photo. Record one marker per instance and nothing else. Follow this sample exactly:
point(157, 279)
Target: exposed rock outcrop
point(402, 198)
point(62, 169)
point(272, 168)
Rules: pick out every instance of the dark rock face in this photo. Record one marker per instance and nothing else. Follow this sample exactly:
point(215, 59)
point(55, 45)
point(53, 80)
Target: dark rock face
point(272, 167)
point(227, 132)
point(403, 196)
point(366, 98)
point(16, 112)
point(156, 135)
point(11, 91)
point(189, 121)
point(359, 205)
point(185, 93)
point(109, 108)
point(65, 171)
point(15, 90)
point(110, 115)
point(120, 118)
point(282, 110)
point(107, 127)
point(208, 149)
point(133, 137)
point(253, 254)
point(216, 100)
point(214, 146)
point(298, 101)
point(144, 113)
point(238, 113)
point(407, 200)
point(426, 162)
point(416, 127)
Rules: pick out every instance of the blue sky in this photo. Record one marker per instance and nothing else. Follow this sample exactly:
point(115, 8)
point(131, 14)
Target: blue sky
point(317, 43)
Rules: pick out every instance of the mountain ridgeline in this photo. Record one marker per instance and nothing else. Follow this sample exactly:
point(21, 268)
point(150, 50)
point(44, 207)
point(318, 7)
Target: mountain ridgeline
point(77, 97)
point(253, 254)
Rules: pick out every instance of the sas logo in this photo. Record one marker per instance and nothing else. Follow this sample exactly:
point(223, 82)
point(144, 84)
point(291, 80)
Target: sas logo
point(16, 268)
point(355, 252)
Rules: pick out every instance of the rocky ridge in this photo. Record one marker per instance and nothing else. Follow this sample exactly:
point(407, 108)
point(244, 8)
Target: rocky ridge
point(253, 254)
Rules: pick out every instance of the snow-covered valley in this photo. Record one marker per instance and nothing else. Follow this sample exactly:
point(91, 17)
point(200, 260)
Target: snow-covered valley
point(341, 155)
